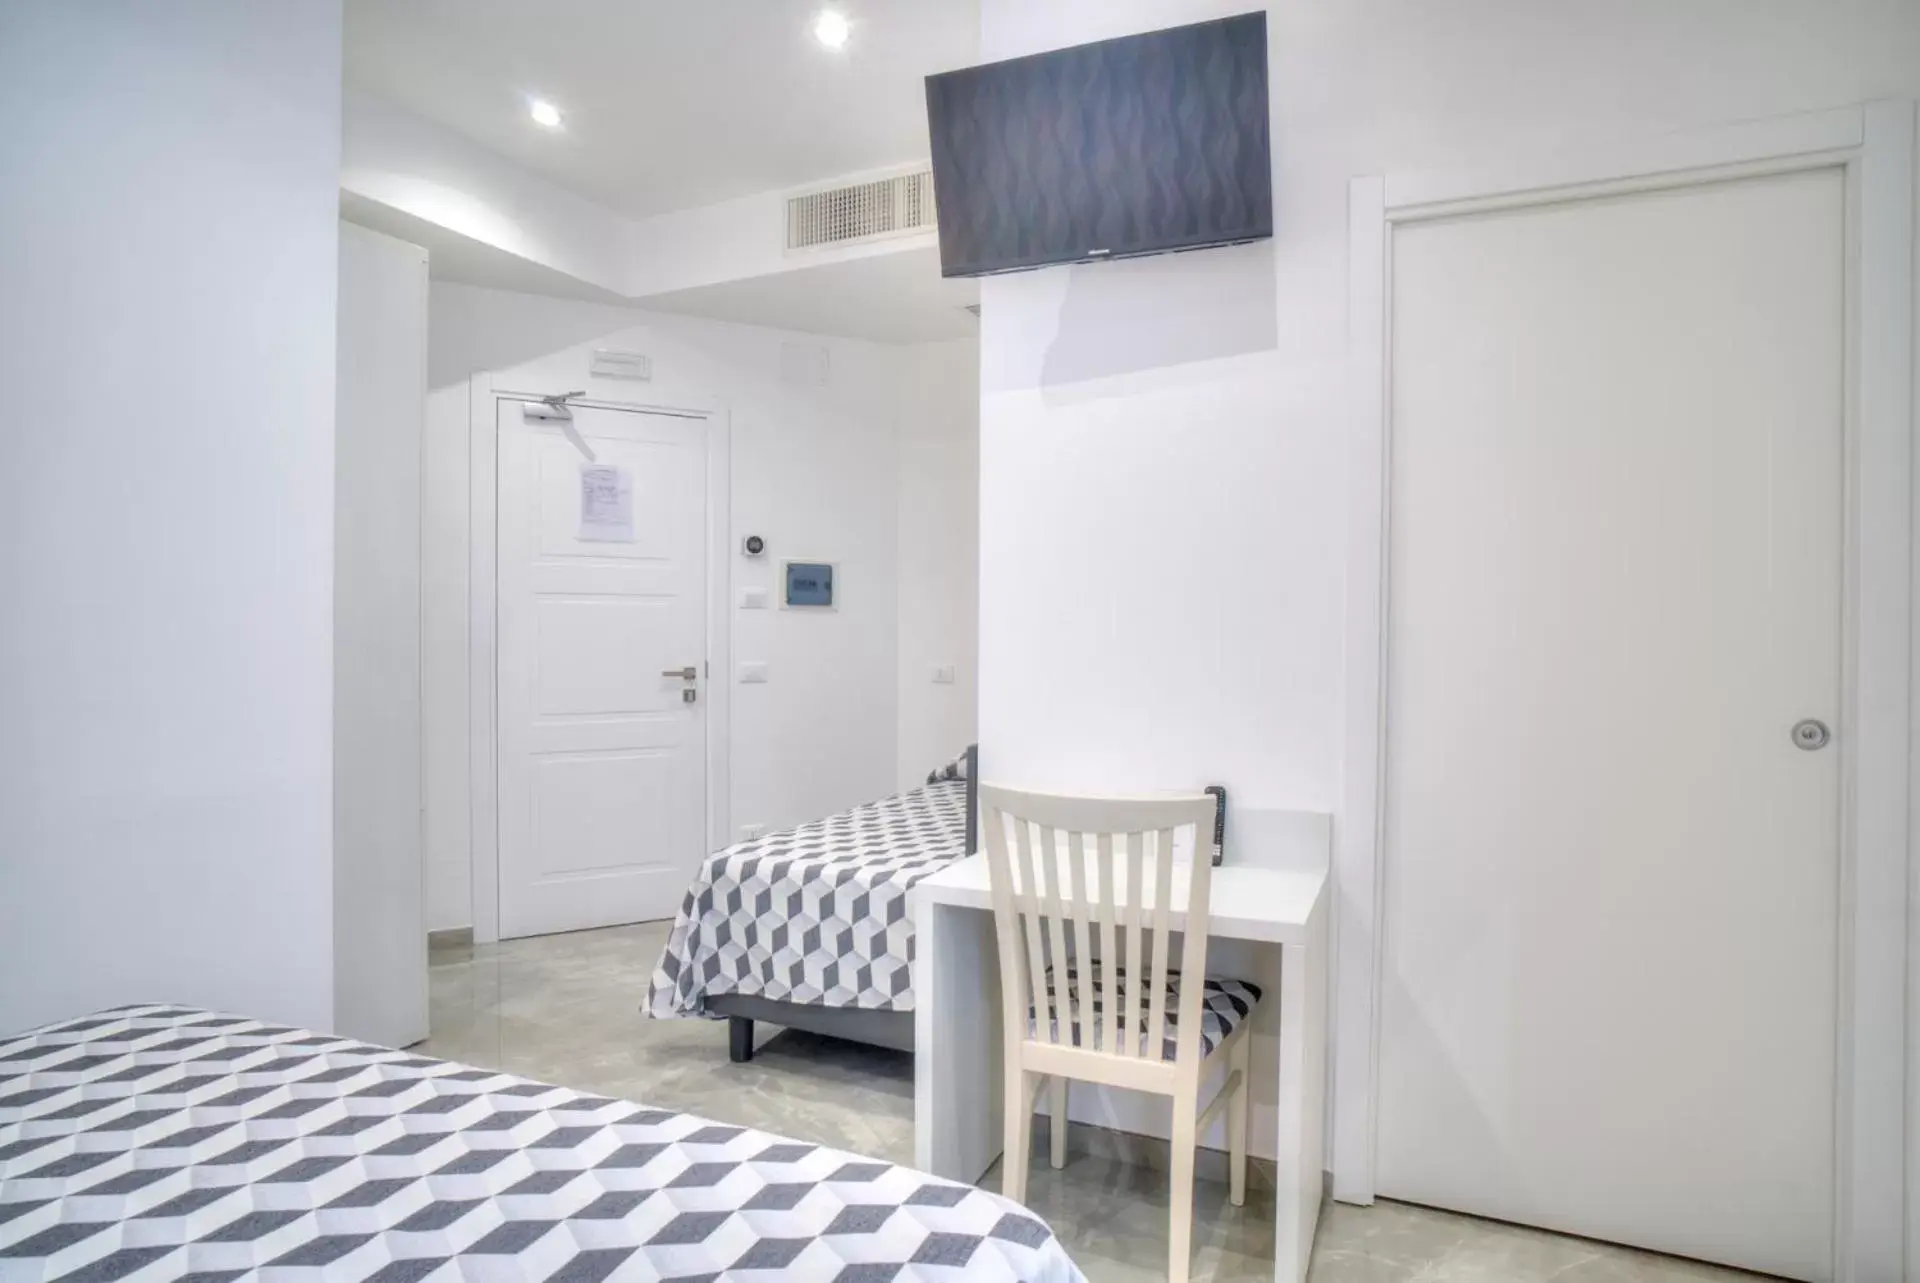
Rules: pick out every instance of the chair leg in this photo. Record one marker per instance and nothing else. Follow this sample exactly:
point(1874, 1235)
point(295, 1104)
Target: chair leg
point(1057, 1125)
point(1019, 1138)
point(1237, 1123)
point(1186, 1143)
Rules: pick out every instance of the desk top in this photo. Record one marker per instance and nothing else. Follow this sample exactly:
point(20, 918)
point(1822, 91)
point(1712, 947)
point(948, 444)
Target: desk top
point(1246, 903)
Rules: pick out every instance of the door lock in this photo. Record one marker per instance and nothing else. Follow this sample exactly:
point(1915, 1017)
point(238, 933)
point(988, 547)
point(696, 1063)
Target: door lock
point(688, 695)
point(1811, 734)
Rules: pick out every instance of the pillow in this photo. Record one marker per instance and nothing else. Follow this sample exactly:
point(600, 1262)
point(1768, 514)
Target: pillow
point(954, 770)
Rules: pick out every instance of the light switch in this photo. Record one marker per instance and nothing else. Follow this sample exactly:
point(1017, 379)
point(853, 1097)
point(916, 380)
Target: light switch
point(753, 671)
point(753, 599)
point(943, 674)
point(748, 832)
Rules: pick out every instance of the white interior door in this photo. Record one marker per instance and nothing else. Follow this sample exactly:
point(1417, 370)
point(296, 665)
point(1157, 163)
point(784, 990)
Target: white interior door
point(1608, 998)
point(601, 609)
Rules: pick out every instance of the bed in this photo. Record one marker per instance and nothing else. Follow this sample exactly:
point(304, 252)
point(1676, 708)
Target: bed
point(157, 1142)
point(808, 927)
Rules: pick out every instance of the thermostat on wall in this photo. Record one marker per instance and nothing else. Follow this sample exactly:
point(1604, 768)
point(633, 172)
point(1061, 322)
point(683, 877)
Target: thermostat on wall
point(809, 585)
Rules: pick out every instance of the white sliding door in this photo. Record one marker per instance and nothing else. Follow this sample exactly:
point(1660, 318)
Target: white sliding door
point(1611, 873)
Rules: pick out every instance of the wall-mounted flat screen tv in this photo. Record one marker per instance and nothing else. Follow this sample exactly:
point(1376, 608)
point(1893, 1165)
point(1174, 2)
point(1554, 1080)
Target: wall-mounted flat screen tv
point(1139, 145)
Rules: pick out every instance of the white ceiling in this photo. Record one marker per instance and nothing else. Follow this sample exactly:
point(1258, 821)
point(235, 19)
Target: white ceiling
point(669, 104)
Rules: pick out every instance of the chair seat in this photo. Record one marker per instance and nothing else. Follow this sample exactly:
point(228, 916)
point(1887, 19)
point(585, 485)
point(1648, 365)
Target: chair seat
point(1224, 1004)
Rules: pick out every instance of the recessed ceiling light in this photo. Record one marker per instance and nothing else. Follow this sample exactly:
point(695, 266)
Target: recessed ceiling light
point(544, 113)
point(830, 28)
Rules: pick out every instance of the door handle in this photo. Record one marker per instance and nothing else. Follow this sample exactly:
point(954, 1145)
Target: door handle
point(687, 674)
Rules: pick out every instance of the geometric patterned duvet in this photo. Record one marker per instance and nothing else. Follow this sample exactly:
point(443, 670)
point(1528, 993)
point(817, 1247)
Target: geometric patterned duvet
point(815, 914)
point(166, 1143)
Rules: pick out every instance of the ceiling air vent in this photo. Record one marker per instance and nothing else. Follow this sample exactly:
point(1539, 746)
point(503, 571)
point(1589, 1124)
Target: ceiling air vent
point(861, 211)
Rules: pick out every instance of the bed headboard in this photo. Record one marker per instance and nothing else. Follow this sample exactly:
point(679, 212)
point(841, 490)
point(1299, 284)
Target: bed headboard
point(973, 809)
point(973, 798)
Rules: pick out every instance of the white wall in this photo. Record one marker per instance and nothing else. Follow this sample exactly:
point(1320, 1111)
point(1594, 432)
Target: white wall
point(939, 495)
point(167, 239)
point(814, 472)
point(1163, 441)
point(1183, 415)
point(380, 947)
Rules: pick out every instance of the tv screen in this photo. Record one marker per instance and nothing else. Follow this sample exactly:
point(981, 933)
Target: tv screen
point(1139, 145)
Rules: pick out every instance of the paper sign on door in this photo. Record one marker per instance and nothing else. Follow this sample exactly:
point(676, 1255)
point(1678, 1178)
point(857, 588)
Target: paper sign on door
point(606, 503)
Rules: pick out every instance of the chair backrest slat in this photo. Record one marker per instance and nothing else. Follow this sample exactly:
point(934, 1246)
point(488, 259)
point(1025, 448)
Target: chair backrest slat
point(1162, 946)
point(1016, 981)
point(1193, 960)
point(1081, 889)
point(1109, 945)
point(1032, 920)
point(1052, 890)
point(1131, 1016)
point(1048, 845)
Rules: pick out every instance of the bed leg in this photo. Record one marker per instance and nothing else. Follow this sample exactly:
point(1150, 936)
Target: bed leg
point(739, 1039)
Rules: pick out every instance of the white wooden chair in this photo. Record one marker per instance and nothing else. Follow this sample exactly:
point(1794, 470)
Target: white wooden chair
point(1077, 922)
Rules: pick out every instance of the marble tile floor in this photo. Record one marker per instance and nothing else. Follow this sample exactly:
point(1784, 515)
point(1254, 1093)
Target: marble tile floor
point(566, 1009)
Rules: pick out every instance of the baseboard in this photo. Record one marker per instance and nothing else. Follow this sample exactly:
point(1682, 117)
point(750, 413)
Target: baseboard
point(450, 938)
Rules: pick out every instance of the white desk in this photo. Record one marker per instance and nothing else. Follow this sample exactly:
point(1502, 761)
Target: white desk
point(958, 1079)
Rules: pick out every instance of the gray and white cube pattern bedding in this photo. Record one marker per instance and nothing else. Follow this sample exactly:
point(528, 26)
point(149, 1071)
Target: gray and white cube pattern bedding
point(815, 914)
point(157, 1142)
